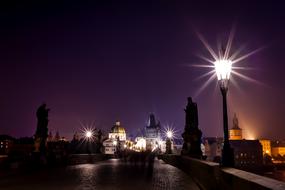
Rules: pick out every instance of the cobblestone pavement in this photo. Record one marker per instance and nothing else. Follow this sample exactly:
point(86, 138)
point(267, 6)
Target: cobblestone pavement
point(108, 175)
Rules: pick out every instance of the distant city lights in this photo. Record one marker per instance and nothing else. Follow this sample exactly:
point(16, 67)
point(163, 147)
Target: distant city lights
point(250, 137)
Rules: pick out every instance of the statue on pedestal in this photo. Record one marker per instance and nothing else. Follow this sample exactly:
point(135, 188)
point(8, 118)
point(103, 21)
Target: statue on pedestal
point(42, 130)
point(192, 134)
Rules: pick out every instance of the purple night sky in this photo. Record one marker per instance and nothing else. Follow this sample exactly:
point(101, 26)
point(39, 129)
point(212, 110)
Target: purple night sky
point(107, 61)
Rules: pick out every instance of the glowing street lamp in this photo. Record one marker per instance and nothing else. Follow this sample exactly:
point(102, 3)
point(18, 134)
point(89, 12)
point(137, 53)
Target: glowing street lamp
point(223, 62)
point(89, 134)
point(89, 137)
point(223, 68)
point(169, 134)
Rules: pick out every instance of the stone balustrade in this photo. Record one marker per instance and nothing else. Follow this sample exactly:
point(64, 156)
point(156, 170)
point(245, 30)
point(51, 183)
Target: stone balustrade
point(211, 176)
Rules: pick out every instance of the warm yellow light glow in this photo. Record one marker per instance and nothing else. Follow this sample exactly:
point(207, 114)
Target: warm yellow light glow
point(115, 143)
point(251, 137)
point(266, 146)
point(223, 69)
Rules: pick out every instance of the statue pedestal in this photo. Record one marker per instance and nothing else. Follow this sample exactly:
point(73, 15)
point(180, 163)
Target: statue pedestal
point(192, 143)
point(192, 134)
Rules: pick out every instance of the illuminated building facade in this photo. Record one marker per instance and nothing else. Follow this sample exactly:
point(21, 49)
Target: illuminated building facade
point(266, 146)
point(116, 140)
point(153, 133)
point(248, 154)
point(278, 148)
point(109, 146)
point(117, 131)
point(278, 151)
point(235, 131)
point(5, 145)
point(140, 144)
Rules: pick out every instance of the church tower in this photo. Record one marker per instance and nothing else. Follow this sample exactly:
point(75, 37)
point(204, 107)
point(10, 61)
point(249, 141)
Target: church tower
point(235, 131)
point(152, 133)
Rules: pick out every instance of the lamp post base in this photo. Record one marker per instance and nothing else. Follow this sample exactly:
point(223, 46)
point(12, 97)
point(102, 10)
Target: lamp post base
point(228, 156)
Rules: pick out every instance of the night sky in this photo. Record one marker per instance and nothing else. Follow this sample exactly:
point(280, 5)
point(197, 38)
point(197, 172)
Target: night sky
point(109, 61)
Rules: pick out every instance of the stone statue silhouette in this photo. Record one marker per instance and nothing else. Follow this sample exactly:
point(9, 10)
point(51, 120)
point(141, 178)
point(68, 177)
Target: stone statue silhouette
point(235, 122)
point(192, 134)
point(42, 129)
point(191, 114)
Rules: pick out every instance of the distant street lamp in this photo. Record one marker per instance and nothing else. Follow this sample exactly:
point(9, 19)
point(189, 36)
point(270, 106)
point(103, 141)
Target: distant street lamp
point(88, 134)
point(89, 138)
point(223, 68)
point(169, 134)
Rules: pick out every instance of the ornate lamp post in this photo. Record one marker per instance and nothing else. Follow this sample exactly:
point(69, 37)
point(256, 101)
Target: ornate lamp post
point(223, 64)
point(169, 135)
point(89, 138)
point(223, 69)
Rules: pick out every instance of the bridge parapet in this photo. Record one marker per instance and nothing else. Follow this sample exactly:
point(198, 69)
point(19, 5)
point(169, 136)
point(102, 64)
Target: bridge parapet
point(210, 176)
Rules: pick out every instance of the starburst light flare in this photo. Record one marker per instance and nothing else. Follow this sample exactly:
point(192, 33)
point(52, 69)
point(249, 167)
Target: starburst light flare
point(224, 62)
